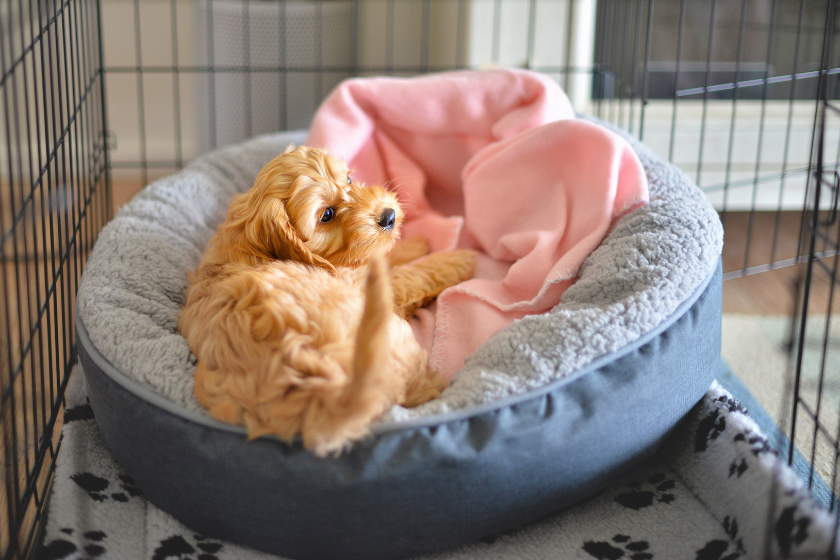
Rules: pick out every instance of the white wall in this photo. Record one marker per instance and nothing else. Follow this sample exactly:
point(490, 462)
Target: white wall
point(457, 34)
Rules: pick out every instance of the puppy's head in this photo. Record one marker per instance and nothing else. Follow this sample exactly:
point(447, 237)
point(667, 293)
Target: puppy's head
point(304, 206)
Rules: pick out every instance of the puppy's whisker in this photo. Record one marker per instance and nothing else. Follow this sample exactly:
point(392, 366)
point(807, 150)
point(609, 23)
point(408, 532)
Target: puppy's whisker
point(406, 201)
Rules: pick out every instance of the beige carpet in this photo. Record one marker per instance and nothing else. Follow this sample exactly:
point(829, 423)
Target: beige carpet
point(754, 348)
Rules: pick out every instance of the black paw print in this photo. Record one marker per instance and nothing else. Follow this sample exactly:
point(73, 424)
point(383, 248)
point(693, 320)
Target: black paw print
point(758, 443)
point(738, 467)
point(709, 429)
point(129, 487)
point(621, 546)
point(93, 485)
point(81, 412)
point(97, 488)
point(176, 547)
point(643, 494)
point(732, 405)
point(730, 525)
point(60, 548)
point(714, 424)
point(791, 530)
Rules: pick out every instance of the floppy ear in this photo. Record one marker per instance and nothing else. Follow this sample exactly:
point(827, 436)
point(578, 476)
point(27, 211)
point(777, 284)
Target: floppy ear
point(276, 235)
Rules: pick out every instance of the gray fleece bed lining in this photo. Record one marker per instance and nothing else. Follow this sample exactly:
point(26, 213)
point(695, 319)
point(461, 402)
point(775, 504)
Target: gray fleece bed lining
point(652, 261)
point(158, 400)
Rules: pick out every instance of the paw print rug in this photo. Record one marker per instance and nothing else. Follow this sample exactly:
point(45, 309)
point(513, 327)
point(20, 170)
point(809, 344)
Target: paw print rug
point(715, 491)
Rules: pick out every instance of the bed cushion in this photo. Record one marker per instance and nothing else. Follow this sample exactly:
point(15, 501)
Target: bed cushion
point(588, 390)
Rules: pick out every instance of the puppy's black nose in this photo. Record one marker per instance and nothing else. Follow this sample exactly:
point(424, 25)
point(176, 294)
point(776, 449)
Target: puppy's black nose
point(387, 219)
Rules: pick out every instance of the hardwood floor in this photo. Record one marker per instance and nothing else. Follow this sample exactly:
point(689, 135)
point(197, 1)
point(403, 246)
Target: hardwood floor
point(772, 292)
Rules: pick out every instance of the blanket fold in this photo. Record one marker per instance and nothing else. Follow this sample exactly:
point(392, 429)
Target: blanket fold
point(494, 161)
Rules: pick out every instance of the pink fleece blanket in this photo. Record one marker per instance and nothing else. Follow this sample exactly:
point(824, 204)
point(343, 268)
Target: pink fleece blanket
point(494, 161)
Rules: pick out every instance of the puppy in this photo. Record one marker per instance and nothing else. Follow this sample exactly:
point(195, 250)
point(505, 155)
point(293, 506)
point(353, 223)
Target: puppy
point(298, 326)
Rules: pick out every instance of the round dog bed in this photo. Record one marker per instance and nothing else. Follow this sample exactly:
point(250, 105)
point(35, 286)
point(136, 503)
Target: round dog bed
point(545, 414)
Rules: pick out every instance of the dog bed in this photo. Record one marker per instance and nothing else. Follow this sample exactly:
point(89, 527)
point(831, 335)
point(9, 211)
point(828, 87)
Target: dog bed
point(683, 503)
point(545, 414)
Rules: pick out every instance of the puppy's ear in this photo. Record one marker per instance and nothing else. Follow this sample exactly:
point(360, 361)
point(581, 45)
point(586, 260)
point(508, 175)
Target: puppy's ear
point(289, 148)
point(281, 239)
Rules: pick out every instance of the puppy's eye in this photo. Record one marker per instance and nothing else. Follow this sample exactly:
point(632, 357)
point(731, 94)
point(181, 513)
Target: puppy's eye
point(328, 215)
point(349, 182)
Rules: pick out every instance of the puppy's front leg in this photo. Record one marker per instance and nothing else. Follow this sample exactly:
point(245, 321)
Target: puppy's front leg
point(408, 250)
point(416, 284)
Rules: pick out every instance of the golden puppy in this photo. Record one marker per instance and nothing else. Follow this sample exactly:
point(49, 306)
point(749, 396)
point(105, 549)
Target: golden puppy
point(297, 324)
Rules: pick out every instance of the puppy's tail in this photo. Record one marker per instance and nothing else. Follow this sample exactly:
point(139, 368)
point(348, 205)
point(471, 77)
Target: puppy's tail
point(366, 394)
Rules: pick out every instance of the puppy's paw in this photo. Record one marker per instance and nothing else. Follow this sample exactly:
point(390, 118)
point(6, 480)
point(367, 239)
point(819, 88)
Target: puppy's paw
point(424, 389)
point(465, 262)
point(408, 250)
point(456, 266)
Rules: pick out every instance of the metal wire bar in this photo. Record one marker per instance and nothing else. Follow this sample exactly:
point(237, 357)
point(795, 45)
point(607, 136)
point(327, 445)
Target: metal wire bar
point(389, 36)
point(246, 53)
point(818, 426)
point(176, 84)
point(211, 77)
point(633, 93)
point(426, 38)
point(54, 173)
point(497, 30)
point(743, 84)
point(646, 75)
point(461, 39)
point(283, 50)
point(24, 139)
point(10, 439)
point(603, 17)
point(319, 50)
point(706, 75)
point(622, 41)
point(141, 100)
point(531, 39)
point(327, 68)
point(611, 34)
point(757, 172)
point(732, 120)
point(680, 33)
point(354, 34)
point(65, 134)
point(820, 104)
point(801, 259)
point(568, 48)
point(817, 151)
point(786, 150)
point(7, 72)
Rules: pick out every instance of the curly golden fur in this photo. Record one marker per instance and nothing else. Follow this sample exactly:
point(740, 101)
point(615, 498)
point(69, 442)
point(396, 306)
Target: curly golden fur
point(298, 326)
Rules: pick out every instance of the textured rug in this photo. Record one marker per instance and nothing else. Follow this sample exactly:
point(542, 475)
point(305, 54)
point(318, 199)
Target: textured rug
point(756, 350)
point(716, 490)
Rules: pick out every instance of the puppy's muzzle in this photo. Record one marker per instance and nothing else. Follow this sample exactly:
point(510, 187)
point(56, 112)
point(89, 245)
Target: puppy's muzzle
point(387, 219)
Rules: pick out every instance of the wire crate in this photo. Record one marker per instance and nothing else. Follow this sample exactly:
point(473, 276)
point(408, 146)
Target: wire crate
point(100, 97)
point(55, 197)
